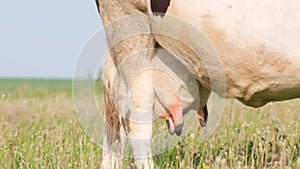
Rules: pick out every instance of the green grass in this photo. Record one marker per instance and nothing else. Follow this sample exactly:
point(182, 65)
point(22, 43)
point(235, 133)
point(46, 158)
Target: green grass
point(39, 129)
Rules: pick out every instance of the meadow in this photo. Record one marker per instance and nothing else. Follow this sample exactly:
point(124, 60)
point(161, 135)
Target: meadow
point(39, 129)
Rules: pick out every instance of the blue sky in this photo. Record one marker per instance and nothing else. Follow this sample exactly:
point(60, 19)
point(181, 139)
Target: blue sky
point(43, 38)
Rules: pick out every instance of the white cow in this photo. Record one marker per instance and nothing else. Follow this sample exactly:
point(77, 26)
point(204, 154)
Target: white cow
point(257, 43)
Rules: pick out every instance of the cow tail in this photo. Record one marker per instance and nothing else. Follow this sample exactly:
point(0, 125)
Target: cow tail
point(112, 121)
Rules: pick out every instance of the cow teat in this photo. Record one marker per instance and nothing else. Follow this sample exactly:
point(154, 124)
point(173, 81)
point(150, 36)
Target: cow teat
point(203, 116)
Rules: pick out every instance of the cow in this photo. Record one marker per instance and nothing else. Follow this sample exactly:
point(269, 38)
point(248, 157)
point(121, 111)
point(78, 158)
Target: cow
point(175, 92)
point(255, 49)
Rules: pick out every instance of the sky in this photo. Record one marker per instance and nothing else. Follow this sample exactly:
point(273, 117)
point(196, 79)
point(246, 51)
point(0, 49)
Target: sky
point(43, 38)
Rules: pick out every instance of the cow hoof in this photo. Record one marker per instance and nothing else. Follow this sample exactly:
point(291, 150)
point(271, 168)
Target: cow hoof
point(178, 129)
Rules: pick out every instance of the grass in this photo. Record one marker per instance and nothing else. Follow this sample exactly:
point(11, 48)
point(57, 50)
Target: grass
point(28, 88)
point(39, 129)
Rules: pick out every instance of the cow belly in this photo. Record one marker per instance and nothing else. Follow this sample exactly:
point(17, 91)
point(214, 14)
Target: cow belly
point(258, 50)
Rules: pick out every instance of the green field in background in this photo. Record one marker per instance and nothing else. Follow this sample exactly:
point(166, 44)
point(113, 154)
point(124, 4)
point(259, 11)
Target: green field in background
point(37, 87)
point(35, 84)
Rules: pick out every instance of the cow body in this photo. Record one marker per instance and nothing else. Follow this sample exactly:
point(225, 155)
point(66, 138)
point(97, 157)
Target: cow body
point(258, 45)
point(257, 48)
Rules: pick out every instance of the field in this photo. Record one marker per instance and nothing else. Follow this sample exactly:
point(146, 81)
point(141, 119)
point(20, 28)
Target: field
point(39, 129)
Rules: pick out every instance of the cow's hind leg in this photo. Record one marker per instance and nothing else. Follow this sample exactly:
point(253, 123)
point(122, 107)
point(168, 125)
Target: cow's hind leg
point(112, 153)
point(113, 145)
point(140, 140)
point(140, 121)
